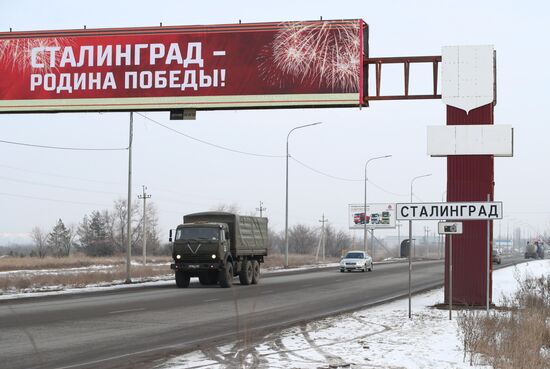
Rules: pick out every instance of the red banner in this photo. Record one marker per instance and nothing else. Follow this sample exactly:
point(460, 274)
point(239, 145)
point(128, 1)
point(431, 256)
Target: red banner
point(293, 64)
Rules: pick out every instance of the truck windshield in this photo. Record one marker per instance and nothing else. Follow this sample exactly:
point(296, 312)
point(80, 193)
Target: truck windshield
point(203, 233)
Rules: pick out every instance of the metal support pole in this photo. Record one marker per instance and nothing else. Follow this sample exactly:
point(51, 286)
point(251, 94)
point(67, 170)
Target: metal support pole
point(286, 206)
point(488, 256)
point(144, 197)
point(410, 265)
point(365, 204)
point(450, 277)
point(129, 211)
point(286, 191)
point(323, 240)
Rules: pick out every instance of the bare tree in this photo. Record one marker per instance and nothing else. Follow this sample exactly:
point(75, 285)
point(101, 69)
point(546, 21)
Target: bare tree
point(336, 241)
point(40, 237)
point(302, 239)
point(276, 242)
point(118, 224)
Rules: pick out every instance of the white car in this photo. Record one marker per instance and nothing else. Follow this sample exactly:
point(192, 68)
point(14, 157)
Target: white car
point(356, 260)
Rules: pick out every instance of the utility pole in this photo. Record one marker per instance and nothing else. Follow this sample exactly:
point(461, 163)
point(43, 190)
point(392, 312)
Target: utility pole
point(323, 221)
point(261, 209)
point(144, 197)
point(129, 211)
point(427, 240)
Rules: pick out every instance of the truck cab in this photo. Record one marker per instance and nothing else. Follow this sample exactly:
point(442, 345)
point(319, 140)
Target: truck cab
point(199, 250)
point(201, 243)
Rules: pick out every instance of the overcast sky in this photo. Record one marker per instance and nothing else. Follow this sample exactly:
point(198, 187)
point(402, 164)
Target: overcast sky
point(38, 186)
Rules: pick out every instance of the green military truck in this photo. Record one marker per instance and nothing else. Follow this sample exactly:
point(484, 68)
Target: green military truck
point(216, 246)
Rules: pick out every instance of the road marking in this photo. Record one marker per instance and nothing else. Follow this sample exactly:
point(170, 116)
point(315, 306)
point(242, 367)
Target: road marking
point(211, 300)
point(126, 311)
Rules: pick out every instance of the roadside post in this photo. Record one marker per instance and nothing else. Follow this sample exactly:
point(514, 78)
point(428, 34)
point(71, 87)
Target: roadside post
point(450, 211)
point(450, 228)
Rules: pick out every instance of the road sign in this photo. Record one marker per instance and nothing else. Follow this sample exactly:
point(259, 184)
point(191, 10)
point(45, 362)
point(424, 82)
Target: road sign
point(450, 227)
point(449, 211)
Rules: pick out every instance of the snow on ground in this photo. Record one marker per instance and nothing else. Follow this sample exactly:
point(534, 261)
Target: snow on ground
point(377, 337)
point(167, 279)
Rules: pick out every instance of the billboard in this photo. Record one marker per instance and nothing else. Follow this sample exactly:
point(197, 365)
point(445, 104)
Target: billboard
point(240, 66)
point(377, 216)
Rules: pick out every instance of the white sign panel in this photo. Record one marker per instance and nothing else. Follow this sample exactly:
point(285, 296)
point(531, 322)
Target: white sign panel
point(450, 227)
point(468, 76)
point(483, 139)
point(449, 211)
point(377, 216)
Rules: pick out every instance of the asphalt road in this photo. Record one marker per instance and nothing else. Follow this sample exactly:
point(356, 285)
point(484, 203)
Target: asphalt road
point(139, 327)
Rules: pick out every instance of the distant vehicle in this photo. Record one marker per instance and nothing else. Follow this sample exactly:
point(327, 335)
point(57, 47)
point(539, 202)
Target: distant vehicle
point(216, 246)
point(356, 260)
point(375, 218)
point(534, 250)
point(359, 218)
point(496, 257)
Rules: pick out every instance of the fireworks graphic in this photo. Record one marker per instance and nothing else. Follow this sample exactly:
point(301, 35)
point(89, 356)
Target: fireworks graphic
point(325, 52)
point(16, 53)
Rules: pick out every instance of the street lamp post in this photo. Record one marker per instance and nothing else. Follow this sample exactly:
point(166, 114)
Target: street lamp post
point(286, 200)
point(365, 207)
point(410, 243)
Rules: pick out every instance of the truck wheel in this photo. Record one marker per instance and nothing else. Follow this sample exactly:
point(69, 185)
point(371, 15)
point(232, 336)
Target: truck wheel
point(246, 273)
point(255, 272)
point(226, 275)
point(182, 279)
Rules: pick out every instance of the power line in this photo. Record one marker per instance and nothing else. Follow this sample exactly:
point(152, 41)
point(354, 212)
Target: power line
point(62, 147)
point(52, 200)
point(58, 175)
point(209, 143)
point(57, 186)
point(266, 155)
point(323, 173)
point(346, 179)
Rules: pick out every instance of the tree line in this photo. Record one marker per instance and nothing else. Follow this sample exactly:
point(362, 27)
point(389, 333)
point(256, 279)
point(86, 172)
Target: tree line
point(304, 239)
point(101, 233)
point(104, 233)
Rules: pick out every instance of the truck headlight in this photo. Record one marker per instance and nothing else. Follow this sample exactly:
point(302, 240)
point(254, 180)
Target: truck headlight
point(213, 256)
point(178, 256)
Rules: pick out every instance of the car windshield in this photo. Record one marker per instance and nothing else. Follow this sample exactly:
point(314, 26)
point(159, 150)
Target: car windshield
point(202, 233)
point(354, 255)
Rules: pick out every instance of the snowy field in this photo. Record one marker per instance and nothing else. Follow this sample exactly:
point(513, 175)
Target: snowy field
point(378, 337)
point(167, 279)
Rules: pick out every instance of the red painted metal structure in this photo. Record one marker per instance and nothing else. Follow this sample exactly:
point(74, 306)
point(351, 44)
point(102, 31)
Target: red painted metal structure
point(469, 178)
